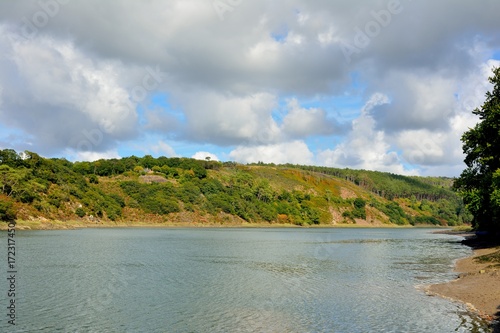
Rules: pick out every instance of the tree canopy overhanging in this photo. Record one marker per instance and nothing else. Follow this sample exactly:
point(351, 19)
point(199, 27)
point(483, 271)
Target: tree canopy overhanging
point(479, 183)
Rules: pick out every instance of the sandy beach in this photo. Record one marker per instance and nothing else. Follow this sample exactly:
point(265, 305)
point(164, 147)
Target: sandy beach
point(478, 285)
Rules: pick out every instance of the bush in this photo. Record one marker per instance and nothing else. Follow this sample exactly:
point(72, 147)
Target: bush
point(359, 203)
point(425, 220)
point(80, 212)
point(93, 179)
point(359, 213)
point(159, 205)
point(189, 193)
point(395, 213)
point(267, 212)
point(347, 214)
point(55, 202)
point(7, 213)
point(222, 202)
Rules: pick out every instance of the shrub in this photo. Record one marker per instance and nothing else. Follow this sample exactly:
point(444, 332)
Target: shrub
point(347, 214)
point(359, 203)
point(7, 213)
point(93, 179)
point(80, 212)
point(359, 213)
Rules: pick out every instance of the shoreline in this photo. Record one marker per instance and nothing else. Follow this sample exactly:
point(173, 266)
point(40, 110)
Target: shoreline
point(74, 224)
point(477, 285)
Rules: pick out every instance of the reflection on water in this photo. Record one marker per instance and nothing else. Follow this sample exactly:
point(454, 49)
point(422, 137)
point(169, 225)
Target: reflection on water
point(236, 280)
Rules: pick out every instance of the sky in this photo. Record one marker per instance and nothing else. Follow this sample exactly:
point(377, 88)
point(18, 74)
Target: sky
point(385, 85)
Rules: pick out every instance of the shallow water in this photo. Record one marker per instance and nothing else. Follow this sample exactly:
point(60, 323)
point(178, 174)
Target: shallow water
point(234, 280)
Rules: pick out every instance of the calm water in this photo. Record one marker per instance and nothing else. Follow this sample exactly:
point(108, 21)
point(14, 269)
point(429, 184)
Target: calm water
point(233, 280)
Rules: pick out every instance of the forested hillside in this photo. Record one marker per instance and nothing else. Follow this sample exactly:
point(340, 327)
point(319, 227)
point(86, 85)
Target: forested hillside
point(183, 190)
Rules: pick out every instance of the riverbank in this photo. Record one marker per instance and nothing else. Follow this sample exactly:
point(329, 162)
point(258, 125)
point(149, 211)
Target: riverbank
point(46, 224)
point(64, 225)
point(478, 282)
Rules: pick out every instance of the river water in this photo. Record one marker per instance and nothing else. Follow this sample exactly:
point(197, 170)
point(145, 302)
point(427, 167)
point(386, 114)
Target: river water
point(233, 280)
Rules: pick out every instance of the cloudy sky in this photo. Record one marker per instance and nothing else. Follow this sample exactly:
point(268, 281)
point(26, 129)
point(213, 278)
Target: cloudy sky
point(378, 84)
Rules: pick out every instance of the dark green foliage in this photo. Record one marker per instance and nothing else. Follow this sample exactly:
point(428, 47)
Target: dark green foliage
point(98, 203)
point(479, 183)
point(267, 212)
point(93, 179)
point(153, 198)
point(7, 212)
point(159, 204)
point(359, 203)
point(80, 212)
point(211, 186)
point(423, 219)
point(359, 210)
point(395, 213)
point(220, 202)
point(359, 213)
point(118, 199)
point(189, 193)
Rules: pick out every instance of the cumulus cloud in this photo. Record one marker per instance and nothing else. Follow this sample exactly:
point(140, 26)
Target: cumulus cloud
point(295, 152)
point(231, 120)
point(163, 148)
point(202, 155)
point(366, 147)
point(418, 100)
point(69, 80)
point(60, 96)
point(91, 155)
point(302, 122)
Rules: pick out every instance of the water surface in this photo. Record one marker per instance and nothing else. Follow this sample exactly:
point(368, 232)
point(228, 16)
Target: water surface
point(235, 280)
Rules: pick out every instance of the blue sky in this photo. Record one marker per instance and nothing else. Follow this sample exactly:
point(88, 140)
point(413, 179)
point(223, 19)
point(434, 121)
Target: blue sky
point(364, 86)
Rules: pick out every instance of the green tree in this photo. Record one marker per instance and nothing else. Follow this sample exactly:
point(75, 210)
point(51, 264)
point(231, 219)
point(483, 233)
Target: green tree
point(479, 183)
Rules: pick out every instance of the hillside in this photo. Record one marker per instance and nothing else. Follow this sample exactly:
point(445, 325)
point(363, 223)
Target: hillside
point(188, 191)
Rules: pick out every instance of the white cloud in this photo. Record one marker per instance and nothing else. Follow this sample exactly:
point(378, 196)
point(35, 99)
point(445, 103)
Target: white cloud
point(202, 155)
point(301, 122)
point(229, 120)
point(69, 84)
point(162, 148)
point(59, 95)
point(423, 147)
point(365, 147)
point(472, 89)
point(295, 152)
point(91, 155)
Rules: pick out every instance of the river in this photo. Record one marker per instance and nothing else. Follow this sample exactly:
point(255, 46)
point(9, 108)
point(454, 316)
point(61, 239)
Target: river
point(233, 280)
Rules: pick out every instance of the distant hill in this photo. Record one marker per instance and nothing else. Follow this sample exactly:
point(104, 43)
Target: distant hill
point(184, 190)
